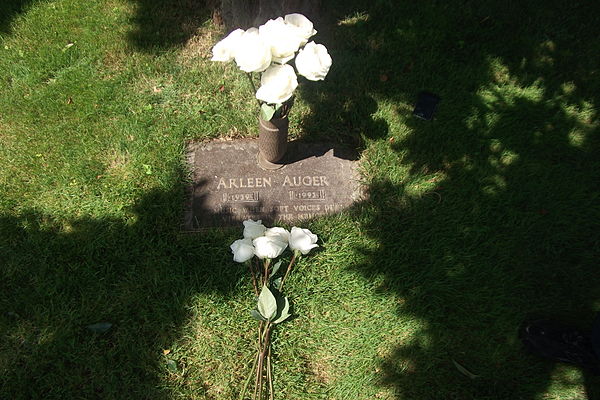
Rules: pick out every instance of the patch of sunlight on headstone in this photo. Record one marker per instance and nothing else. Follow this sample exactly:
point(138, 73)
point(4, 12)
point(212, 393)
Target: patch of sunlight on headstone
point(565, 382)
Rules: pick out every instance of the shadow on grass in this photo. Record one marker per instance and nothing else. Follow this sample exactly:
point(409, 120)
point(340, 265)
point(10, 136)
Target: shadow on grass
point(9, 9)
point(498, 218)
point(58, 277)
point(161, 24)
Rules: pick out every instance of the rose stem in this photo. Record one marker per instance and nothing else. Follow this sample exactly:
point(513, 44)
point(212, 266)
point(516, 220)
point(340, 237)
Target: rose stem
point(258, 380)
point(249, 377)
point(258, 353)
point(266, 346)
point(249, 75)
point(253, 278)
point(264, 341)
point(258, 350)
point(289, 268)
point(267, 265)
point(270, 373)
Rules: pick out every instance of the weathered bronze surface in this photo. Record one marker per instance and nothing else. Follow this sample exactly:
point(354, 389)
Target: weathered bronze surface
point(229, 187)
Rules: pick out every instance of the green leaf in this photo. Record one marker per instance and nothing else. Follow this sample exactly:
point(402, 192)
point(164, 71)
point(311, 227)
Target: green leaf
point(464, 371)
point(256, 315)
point(284, 312)
point(100, 327)
point(277, 283)
point(275, 268)
point(267, 305)
point(266, 112)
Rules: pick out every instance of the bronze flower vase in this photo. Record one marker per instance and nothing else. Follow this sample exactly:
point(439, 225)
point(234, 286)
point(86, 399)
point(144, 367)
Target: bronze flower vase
point(272, 142)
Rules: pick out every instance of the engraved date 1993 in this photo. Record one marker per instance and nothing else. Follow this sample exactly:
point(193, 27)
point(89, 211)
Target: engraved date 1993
point(307, 194)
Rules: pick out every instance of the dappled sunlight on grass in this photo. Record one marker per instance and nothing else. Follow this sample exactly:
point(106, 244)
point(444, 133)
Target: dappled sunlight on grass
point(459, 207)
point(474, 220)
point(566, 383)
point(157, 26)
point(354, 19)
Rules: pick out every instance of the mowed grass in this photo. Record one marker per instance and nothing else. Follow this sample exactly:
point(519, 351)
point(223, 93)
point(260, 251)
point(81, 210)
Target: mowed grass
point(475, 221)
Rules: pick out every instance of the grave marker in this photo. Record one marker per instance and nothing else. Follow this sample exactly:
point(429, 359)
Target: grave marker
point(229, 187)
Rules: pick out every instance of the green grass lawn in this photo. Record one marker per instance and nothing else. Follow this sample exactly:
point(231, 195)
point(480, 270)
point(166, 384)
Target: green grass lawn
point(477, 220)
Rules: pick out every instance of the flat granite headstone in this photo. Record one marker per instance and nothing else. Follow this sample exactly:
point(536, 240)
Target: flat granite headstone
point(229, 187)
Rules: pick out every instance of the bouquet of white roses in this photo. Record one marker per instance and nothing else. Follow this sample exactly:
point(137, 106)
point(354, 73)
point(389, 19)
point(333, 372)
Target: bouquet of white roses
point(267, 244)
point(267, 50)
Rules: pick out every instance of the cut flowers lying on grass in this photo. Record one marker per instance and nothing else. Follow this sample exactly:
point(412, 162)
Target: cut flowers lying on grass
point(259, 249)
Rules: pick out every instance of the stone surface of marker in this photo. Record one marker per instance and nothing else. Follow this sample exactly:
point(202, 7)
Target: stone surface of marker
point(228, 186)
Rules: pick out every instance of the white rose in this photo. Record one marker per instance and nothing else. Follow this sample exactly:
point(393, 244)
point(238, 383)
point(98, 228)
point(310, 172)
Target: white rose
point(224, 51)
point(278, 83)
point(302, 26)
point(302, 240)
point(282, 38)
point(252, 53)
point(313, 62)
point(253, 229)
point(268, 247)
point(281, 234)
point(242, 250)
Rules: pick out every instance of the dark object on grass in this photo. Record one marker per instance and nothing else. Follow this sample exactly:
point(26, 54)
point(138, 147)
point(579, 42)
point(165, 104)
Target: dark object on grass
point(426, 105)
point(556, 341)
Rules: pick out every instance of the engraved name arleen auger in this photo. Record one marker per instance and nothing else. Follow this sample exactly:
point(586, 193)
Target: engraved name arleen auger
point(267, 182)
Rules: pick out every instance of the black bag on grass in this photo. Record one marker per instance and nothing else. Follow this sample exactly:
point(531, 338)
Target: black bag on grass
point(557, 341)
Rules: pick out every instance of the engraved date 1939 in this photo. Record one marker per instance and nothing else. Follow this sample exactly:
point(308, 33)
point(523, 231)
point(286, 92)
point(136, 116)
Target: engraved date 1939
point(240, 197)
